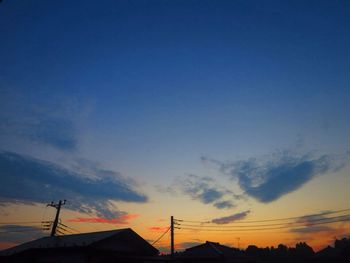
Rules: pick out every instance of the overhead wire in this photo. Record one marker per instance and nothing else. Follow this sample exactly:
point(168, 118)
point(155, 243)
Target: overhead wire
point(44, 213)
point(20, 222)
point(267, 228)
point(21, 230)
point(162, 235)
point(271, 220)
point(93, 224)
point(268, 225)
point(66, 226)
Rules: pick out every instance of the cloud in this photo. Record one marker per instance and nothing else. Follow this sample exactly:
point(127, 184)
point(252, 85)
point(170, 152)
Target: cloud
point(224, 204)
point(203, 189)
point(231, 218)
point(50, 122)
point(13, 234)
point(268, 179)
point(315, 223)
point(161, 229)
point(25, 179)
point(311, 229)
point(56, 132)
point(121, 220)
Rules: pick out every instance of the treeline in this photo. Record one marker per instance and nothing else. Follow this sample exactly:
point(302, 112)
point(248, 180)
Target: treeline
point(302, 252)
point(211, 252)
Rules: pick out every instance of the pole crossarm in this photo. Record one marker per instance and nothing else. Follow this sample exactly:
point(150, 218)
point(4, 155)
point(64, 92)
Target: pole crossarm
point(58, 209)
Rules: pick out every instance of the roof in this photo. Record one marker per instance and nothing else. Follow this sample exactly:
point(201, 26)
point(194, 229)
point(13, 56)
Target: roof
point(210, 249)
point(114, 240)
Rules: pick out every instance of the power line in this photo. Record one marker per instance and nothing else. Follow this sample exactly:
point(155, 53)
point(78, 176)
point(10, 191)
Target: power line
point(58, 209)
point(162, 235)
point(93, 224)
point(267, 228)
point(21, 230)
point(267, 225)
point(20, 222)
point(20, 226)
point(271, 220)
point(68, 227)
point(64, 229)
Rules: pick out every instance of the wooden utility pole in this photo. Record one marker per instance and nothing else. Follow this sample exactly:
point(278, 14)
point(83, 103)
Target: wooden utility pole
point(58, 208)
point(172, 235)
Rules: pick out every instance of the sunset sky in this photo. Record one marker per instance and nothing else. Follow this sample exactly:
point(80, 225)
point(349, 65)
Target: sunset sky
point(224, 112)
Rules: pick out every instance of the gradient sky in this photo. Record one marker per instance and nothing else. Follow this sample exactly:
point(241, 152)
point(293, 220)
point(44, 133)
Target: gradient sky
point(137, 110)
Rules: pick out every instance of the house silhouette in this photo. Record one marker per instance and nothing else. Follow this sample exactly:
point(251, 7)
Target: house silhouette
point(121, 245)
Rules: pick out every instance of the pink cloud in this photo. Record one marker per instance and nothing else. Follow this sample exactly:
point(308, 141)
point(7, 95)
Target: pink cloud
point(121, 220)
point(158, 228)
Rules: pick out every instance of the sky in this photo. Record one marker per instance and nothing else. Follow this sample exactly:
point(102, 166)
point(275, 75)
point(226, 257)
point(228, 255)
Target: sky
point(223, 112)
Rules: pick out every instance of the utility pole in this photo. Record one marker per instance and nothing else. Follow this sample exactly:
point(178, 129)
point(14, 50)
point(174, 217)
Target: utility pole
point(58, 208)
point(172, 235)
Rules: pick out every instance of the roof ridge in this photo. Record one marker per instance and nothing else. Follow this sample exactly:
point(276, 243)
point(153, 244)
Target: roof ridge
point(87, 233)
point(212, 245)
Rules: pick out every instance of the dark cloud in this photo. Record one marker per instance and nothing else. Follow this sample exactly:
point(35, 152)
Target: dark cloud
point(316, 223)
point(267, 179)
point(19, 233)
point(231, 218)
point(25, 179)
point(308, 219)
point(224, 204)
point(205, 190)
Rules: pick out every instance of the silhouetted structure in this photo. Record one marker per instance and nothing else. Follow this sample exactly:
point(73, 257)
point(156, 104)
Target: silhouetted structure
point(337, 254)
point(123, 245)
point(210, 252)
point(301, 253)
point(126, 246)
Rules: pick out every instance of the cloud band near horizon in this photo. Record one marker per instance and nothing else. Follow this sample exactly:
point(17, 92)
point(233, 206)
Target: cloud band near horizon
point(29, 180)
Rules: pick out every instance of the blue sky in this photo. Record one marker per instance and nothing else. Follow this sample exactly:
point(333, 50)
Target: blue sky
point(149, 90)
point(197, 73)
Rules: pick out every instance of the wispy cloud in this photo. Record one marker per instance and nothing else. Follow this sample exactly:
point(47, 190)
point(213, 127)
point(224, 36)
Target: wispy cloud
point(311, 229)
point(319, 222)
point(14, 234)
point(231, 218)
point(51, 122)
point(203, 189)
point(56, 132)
point(121, 220)
point(269, 178)
point(25, 179)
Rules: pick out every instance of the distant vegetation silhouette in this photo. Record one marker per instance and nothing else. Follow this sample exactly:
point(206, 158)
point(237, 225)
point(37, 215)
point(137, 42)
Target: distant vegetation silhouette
point(302, 252)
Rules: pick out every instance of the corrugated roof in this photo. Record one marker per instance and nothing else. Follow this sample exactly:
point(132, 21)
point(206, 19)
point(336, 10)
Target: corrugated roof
point(74, 240)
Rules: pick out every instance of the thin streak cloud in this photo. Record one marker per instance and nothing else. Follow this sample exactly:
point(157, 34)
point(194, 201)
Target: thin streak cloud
point(231, 218)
